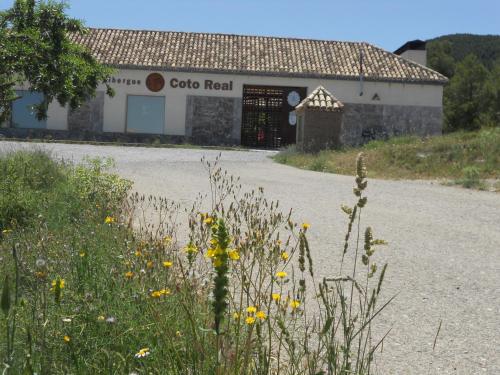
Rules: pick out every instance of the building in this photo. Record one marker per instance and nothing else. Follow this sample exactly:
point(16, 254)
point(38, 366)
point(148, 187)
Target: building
point(233, 89)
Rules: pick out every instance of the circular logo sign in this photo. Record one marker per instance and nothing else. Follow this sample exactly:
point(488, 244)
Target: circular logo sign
point(293, 98)
point(155, 82)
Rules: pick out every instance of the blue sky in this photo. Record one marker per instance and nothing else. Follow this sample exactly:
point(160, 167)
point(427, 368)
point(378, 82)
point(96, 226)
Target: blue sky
point(386, 23)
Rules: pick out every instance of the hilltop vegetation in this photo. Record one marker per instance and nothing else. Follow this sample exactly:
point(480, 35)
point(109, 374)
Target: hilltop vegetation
point(472, 63)
point(485, 47)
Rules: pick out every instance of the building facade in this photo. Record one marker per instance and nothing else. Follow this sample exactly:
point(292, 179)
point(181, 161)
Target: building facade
point(226, 89)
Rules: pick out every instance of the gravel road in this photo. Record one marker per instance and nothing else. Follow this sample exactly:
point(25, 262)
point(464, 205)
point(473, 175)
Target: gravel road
point(444, 253)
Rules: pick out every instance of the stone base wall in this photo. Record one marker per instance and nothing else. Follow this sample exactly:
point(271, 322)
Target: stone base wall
point(90, 116)
point(321, 130)
point(213, 120)
point(366, 122)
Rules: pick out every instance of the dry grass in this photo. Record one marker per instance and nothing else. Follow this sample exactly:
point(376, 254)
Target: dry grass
point(411, 157)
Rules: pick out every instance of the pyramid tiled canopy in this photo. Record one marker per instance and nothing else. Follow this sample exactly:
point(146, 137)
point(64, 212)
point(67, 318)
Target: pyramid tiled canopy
point(257, 55)
point(321, 100)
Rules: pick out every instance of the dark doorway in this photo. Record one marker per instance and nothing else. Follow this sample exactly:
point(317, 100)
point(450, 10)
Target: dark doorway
point(268, 119)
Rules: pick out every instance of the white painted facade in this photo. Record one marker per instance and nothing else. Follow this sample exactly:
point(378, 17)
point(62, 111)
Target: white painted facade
point(347, 91)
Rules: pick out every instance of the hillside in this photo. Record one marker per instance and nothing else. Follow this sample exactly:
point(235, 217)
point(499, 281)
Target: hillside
point(485, 47)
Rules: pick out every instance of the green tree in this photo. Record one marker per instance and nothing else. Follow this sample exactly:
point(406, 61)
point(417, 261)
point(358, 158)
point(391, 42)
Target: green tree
point(493, 94)
point(35, 47)
point(441, 58)
point(467, 98)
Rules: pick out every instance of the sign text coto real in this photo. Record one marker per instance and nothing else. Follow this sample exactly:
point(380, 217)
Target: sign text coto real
point(207, 85)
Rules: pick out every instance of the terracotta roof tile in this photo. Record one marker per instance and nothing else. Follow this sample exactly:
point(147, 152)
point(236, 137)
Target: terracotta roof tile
point(320, 100)
point(201, 52)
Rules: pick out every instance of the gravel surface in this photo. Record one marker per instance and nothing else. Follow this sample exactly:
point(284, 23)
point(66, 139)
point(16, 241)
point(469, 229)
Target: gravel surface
point(444, 252)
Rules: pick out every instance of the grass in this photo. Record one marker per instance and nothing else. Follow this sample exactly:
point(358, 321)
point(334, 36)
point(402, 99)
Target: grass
point(96, 281)
point(458, 156)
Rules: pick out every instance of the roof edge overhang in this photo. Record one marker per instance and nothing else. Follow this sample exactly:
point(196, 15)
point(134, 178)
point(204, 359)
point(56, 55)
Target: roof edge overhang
point(278, 74)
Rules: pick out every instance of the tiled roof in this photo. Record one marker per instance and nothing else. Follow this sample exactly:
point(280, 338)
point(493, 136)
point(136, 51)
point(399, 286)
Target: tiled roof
point(259, 55)
point(321, 100)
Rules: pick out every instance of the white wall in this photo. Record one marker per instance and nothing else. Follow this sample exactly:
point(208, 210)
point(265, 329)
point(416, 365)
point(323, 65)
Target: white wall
point(175, 110)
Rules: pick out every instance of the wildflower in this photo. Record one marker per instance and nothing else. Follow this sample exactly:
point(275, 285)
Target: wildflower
point(167, 240)
point(208, 220)
point(250, 320)
point(251, 309)
point(109, 220)
point(142, 353)
point(150, 264)
point(111, 320)
point(218, 262)
point(138, 253)
point(191, 249)
point(101, 318)
point(82, 254)
point(178, 333)
point(129, 274)
point(281, 274)
point(66, 339)
point(59, 283)
point(284, 256)
point(167, 264)
point(66, 320)
point(6, 231)
point(236, 316)
point(294, 304)
point(261, 315)
point(156, 294)
point(233, 254)
point(276, 297)
point(306, 226)
point(40, 275)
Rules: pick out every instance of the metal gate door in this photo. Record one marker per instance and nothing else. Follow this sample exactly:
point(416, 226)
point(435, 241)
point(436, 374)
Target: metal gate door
point(268, 119)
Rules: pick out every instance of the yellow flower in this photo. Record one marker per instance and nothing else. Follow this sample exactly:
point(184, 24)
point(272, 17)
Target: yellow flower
point(284, 256)
point(217, 262)
point(167, 264)
point(178, 333)
point(156, 294)
point(306, 226)
point(251, 309)
point(167, 240)
point(138, 253)
point(129, 274)
point(250, 320)
point(109, 220)
point(142, 353)
point(82, 254)
point(281, 274)
point(236, 316)
point(101, 318)
point(191, 249)
point(66, 339)
point(40, 275)
point(294, 304)
point(150, 264)
point(208, 220)
point(233, 254)
point(6, 231)
point(276, 297)
point(56, 282)
point(261, 315)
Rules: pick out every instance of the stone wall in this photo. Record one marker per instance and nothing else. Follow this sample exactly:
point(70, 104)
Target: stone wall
point(320, 130)
point(213, 120)
point(365, 122)
point(90, 116)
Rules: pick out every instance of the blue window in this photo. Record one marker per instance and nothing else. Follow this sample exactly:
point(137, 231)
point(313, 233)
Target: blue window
point(23, 113)
point(145, 114)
